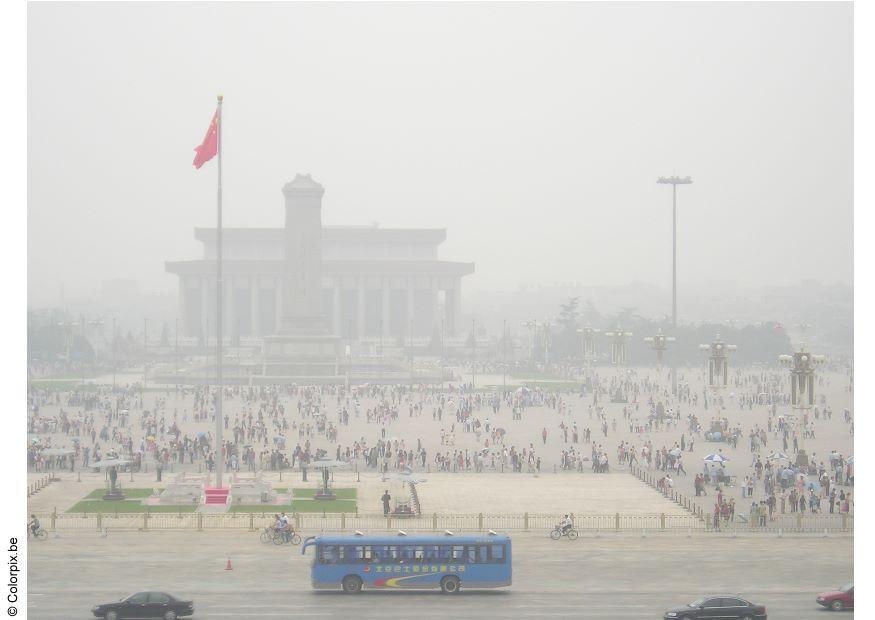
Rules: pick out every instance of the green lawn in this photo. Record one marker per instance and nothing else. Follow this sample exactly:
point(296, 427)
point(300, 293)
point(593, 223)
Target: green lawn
point(312, 505)
point(132, 493)
point(124, 506)
point(309, 493)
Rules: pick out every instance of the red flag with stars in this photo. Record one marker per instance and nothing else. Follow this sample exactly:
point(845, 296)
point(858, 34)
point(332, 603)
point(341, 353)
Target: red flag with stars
point(210, 146)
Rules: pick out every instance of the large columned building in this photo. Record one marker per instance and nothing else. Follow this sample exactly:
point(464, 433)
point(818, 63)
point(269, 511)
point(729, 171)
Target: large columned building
point(374, 282)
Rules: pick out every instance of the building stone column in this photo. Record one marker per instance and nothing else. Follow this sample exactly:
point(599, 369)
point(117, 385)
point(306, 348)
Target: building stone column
point(335, 309)
point(360, 310)
point(205, 309)
point(385, 301)
point(411, 283)
point(254, 307)
point(229, 316)
point(278, 304)
point(181, 313)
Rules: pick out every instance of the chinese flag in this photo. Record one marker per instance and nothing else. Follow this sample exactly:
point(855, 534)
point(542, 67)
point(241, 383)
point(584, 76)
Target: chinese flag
point(210, 146)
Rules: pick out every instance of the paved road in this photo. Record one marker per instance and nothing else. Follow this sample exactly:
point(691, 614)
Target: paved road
point(627, 577)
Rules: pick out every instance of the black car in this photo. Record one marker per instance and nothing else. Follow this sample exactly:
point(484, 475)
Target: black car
point(718, 606)
point(145, 605)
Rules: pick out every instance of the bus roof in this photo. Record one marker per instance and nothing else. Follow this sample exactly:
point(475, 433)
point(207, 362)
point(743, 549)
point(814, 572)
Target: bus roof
point(413, 539)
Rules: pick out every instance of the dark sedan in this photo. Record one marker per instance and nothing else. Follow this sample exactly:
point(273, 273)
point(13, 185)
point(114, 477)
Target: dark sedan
point(719, 606)
point(145, 605)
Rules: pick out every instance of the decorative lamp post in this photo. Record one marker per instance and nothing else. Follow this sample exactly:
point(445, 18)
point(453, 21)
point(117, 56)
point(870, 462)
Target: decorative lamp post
point(659, 344)
point(718, 362)
point(802, 365)
point(619, 346)
point(531, 325)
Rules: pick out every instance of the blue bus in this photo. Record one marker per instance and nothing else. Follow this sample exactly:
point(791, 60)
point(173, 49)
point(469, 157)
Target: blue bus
point(409, 562)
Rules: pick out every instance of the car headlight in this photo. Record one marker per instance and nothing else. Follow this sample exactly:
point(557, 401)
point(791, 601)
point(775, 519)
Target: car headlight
point(672, 614)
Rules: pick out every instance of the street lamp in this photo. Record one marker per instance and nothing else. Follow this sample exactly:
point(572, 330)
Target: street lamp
point(659, 344)
point(674, 181)
point(531, 325)
point(619, 346)
point(718, 362)
point(802, 365)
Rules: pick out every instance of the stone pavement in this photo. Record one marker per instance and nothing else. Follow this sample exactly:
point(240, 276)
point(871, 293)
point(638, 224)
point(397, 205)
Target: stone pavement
point(443, 492)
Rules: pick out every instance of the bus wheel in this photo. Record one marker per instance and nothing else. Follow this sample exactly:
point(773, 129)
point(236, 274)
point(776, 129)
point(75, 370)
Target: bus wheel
point(352, 584)
point(450, 585)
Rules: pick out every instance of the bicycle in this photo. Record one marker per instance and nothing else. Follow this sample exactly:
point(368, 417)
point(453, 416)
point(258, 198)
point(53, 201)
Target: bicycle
point(40, 534)
point(558, 533)
point(275, 536)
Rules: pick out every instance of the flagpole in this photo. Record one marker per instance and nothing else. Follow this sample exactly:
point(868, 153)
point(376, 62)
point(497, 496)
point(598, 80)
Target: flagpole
point(220, 461)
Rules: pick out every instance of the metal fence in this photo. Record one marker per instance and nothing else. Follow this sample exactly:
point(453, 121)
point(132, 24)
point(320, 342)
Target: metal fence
point(457, 523)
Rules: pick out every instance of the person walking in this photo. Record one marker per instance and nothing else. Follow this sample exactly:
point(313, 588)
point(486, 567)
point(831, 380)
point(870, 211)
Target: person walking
point(385, 499)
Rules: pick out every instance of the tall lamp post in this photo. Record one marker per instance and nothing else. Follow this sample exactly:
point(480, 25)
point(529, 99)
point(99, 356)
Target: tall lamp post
point(659, 344)
point(531, 325)
point(619, 346)
point(718, 362)
point(674, 181)
point(802, 365)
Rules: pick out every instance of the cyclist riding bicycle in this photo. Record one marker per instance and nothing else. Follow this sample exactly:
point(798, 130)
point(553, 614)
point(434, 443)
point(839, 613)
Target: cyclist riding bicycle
point(285, 527)
point(564, 525)
point(33, 525)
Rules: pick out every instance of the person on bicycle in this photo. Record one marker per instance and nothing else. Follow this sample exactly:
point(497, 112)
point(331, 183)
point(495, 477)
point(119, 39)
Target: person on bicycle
point(565, 525)
point(33, 525)
point(285, 527)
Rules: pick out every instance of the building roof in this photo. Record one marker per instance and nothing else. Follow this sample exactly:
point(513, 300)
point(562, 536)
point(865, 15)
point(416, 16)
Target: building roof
point(303, 182)
point(331, 234)
point(329, 267)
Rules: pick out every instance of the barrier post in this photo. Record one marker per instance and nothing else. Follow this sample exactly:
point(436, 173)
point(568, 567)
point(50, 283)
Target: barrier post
point(251, 522)
point(662, 521)
point(480, 521)
point(526, 522)
point(146, 521)
point(200, 522)
point(617, 521)
point(434, 521)
point(798, 521)
point(54, 518)
point(343, 521)
point(844, 521)
point(99, 521)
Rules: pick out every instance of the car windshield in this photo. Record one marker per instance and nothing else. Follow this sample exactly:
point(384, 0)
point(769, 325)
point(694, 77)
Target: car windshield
point(846, 587)
point(697, 603)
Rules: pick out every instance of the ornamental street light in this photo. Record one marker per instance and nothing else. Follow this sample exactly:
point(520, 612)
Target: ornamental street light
point(674, 181)
point(619, 346)
point(531, 325)
point(588, 344)
point(718, 362)
point(802, 365)
point(659, 344)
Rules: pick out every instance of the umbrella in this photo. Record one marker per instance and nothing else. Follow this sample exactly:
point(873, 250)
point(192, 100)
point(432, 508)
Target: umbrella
point(851, 460)
point(716, 458)
point(675, 451)
point(110, 463)
point(775, 456)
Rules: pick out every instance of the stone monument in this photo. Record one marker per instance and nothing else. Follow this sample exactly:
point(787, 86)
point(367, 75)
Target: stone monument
point(304, 350)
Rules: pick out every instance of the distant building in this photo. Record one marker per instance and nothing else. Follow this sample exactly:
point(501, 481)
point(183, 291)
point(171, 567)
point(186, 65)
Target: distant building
point(374, 281)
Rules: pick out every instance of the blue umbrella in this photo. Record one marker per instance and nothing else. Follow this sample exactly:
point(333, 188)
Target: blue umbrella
point(715, 458)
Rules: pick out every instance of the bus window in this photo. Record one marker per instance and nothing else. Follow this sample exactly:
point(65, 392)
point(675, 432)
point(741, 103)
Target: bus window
point(432, 553)
point(328, 554)
point(482, 554)
point(391, 554)
point(445, 552)
point(407, 553)
point(352, 554)
point(458, 552)
point(419, 552)
point(497, 554)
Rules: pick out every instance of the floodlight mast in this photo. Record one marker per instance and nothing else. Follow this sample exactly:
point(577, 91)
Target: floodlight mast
point(674, 181)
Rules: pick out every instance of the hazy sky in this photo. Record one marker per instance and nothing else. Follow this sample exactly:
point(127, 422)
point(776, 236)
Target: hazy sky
point(533, 132)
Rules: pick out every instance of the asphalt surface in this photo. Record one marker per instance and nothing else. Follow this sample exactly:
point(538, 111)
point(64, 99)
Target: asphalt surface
point(608, 577)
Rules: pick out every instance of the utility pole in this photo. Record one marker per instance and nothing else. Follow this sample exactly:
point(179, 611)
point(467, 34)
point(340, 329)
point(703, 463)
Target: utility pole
point(504, 356)
point(145, 357)
point(674, 181)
